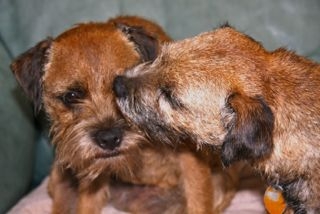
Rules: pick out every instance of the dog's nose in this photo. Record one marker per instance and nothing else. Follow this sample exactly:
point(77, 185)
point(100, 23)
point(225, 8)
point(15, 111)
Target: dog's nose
point(108, 139)
point(119, 87)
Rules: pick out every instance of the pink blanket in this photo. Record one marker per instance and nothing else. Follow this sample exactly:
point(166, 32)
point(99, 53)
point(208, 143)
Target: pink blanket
point(248, 200)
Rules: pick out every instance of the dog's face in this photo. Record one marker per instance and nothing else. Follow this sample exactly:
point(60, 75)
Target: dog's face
point(72, 76)
point(198, 88)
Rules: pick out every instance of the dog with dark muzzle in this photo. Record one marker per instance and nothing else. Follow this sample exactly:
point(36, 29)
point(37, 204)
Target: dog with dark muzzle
point(225, 89)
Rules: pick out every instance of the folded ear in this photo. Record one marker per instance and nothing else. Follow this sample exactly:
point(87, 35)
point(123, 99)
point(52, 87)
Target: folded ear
point(28, 69)
point(250, 128)
point(146, 45)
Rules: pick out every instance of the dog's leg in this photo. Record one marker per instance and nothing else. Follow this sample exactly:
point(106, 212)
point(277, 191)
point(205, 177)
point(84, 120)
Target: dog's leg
point(225, 182)
point(196, 175)
point(93, 197)
point(62, 189)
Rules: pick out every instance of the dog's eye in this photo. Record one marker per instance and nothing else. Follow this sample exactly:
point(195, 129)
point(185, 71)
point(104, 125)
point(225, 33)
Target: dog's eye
point(167, 94)
point(73, 96)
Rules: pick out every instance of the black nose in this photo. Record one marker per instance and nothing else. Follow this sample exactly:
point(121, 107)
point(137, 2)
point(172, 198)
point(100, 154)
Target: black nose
point(119, 87)
point(108, 139)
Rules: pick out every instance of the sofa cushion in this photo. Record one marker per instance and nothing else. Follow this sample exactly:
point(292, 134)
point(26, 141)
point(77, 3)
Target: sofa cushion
point(18, 135)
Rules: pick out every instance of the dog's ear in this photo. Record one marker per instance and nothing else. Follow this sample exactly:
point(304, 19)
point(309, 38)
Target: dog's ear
point(250, 126)
point(146, 45)
point(28, 69)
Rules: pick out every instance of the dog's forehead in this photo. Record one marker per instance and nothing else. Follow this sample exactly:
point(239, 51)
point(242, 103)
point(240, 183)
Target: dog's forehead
point(89, 53)
point(209, 58)
point(180, 59)
point(219, 43)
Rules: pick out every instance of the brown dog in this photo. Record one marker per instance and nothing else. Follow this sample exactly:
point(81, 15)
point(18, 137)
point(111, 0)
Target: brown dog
point(223, 88)
point(72, 76)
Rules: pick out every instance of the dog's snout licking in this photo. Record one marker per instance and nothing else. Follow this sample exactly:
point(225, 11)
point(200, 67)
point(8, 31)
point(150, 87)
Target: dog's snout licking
point(120, 87)
point(108, 139)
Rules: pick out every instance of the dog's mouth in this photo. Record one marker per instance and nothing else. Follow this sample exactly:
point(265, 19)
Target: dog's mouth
point(108, 154)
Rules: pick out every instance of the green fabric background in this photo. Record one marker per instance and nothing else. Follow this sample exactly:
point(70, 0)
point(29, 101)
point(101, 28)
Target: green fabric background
point(25, 154)
point(18, 136)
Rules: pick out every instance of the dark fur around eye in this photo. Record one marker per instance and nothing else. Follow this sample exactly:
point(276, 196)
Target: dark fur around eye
point(72, 96)
point(174, 102)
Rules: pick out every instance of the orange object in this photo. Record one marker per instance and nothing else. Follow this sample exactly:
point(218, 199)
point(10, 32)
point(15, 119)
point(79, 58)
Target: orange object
point(274, 201)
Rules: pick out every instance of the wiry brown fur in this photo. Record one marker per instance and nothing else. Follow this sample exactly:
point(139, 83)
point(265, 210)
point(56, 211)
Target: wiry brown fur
point(223, 88)
point(72, 76)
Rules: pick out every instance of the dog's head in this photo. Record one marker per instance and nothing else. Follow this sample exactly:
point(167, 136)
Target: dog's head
point(71, 77)
point(208, 88)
